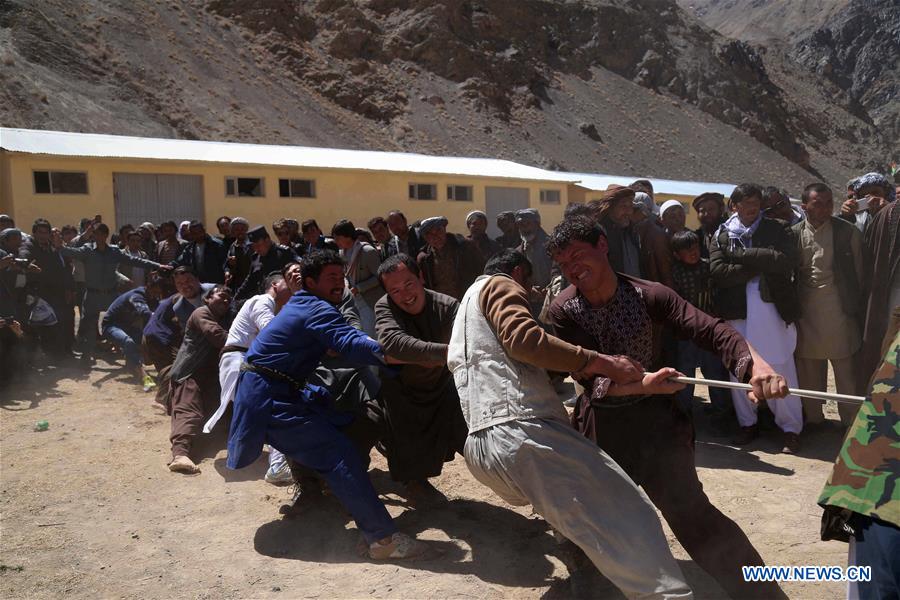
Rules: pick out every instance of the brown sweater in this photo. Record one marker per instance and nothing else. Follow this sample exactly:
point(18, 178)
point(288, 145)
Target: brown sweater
point(204, 336)
point(666, 309)
point(505, 305)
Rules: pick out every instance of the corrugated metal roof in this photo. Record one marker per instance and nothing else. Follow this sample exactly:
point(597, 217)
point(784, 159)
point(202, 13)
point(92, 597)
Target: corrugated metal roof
point(60, 143)
point(661, 187)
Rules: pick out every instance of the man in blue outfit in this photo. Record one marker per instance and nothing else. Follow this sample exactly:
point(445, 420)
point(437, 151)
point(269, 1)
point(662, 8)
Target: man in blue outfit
point(274, 404)
point(126, 318)
point(101, 277)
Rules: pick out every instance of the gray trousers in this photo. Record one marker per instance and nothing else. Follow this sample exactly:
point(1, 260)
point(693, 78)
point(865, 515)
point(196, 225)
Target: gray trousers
point(583, 494)
point(812, 374)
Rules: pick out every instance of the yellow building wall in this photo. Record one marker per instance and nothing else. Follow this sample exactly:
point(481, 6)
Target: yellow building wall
point(340, 193)
point(6, 205)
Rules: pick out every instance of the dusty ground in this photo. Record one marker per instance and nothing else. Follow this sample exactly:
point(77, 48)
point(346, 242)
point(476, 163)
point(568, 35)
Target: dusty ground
point(89, 510)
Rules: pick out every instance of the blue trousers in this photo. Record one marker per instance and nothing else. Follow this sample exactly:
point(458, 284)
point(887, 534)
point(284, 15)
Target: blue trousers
point(691, 357)
point(128, 340)
point(878, 546)
point(93, 304)
point(308, 432)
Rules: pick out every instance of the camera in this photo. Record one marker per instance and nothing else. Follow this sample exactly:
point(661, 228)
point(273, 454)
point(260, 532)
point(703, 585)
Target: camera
point(863, 203)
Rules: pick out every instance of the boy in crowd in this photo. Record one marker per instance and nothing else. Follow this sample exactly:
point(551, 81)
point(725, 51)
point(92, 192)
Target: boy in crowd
point(690, 273)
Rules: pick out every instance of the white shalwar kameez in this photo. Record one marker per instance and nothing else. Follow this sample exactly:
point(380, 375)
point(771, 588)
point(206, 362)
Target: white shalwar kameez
point(775, 341)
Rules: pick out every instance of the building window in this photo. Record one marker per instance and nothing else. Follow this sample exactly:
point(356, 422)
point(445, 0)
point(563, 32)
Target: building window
point(422, 191)
point(60, 182)
point(297, 188)
point(459, 193)
point(550, 197)
point(245, 186)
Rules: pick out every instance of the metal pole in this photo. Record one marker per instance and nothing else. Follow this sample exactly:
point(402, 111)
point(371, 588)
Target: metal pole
point(746, 386)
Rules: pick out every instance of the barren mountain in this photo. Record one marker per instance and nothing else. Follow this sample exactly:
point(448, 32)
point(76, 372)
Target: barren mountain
point(853, 45)
point(638, 87)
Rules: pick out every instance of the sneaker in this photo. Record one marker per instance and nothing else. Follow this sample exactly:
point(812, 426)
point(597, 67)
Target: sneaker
point(401, 546)
point(279, 475)
point(305, 494)
point(183, 464)
point(149, 384)
point(747, 435)
point(791, 443)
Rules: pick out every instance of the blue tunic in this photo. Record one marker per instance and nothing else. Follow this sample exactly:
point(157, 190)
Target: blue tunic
point(129, 311)
point(293, 343)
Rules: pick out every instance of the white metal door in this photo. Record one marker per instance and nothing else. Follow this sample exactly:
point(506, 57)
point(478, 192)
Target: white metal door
point(499, 199)
point(156, 198)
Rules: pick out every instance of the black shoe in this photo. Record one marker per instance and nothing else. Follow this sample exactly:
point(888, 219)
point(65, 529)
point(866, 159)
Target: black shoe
point(747, 435)
point(420, 493)
point(791, 443)
point(306, 493)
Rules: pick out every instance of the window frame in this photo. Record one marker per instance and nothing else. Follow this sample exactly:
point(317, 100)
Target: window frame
point(542, 195)
point(451, 192)
point(50, 172)
point(290, 180)
point(434, 189)
point(237, 191)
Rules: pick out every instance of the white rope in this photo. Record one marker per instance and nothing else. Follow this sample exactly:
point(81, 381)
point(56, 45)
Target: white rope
point(747, 387)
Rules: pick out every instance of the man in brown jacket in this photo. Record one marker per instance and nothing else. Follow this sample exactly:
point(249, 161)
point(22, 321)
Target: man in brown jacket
point(644, 430)
point(450, 262)
point(655, 257)
point(195, 375)
point(424, 421)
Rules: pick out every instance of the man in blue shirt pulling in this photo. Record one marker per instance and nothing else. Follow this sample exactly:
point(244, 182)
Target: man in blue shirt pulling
point(274, 404)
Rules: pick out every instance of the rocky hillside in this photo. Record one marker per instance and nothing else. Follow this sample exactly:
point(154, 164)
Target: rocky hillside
point(638, 87)
point(853, 45)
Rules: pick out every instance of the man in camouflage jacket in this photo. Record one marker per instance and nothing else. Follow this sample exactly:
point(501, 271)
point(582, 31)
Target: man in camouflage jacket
point(862, 496)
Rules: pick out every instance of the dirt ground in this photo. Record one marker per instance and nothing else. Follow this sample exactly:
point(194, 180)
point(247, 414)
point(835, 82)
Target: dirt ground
point(89, 510)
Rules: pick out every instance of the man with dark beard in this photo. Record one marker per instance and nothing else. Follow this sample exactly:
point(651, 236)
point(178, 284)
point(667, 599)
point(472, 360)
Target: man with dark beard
point(424, 420)
point(506, 222)
point(613, 211)
point(644, 431)
point(710, 208)
point(276, 404)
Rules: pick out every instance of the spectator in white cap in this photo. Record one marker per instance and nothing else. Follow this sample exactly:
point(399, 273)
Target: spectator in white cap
point(672, 215)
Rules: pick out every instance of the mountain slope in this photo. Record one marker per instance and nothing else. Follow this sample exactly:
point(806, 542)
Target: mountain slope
point(851, 45)
point(607, 86)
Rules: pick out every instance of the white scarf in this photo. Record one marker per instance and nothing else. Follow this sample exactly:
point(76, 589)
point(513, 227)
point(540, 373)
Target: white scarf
point(739, 233)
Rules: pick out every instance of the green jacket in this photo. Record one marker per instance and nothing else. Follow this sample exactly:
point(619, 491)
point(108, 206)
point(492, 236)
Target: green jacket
point(866, 476)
